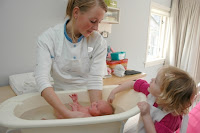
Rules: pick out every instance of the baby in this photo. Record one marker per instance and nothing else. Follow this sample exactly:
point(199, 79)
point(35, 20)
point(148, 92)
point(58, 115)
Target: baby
point(97, 108)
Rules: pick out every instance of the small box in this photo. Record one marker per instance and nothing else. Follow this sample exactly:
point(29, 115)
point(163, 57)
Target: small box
point(118, 55)
point(112, 64)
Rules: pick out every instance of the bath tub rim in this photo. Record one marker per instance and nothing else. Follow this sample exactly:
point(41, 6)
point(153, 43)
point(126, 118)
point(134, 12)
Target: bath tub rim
point(23, 123)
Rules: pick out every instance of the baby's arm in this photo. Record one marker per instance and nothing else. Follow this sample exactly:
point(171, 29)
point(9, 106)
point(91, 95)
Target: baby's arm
point(78, 109)
point(74, 97)
point(145, 115)
point(76, 106)
point(122, 87)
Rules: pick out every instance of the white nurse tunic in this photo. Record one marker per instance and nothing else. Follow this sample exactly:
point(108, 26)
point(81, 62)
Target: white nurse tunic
point(71, 65)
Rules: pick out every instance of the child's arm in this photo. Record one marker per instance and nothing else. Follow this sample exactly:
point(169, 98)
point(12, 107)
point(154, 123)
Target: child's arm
point(76, 106)
point(122, 87)
point(145, 115)
point(74, 114)
point(74, 97)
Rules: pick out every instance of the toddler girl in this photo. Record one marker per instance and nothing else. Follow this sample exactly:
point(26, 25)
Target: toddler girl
point(169, 97)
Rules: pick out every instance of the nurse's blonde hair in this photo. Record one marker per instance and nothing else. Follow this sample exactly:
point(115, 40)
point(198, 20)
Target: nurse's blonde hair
point(177, 90)
point(84, 6)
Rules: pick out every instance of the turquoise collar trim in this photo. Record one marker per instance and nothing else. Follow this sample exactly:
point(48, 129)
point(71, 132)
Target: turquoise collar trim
point(67, 37)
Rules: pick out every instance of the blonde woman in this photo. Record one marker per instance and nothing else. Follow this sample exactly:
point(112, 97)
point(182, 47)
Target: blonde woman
point(169, 97)
point(74, 53)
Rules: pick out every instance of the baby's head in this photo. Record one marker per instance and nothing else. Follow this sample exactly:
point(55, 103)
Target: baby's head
point(177, 90)
point(100, 108)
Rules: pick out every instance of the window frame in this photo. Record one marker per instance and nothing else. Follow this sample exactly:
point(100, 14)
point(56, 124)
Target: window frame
point(161, 11)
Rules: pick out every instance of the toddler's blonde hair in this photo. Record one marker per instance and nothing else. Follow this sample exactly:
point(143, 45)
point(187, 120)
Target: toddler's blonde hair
point(177, 90)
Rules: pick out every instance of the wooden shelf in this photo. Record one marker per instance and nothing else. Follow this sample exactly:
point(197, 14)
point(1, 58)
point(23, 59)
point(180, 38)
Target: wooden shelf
point(114, 80)
point(5, 93)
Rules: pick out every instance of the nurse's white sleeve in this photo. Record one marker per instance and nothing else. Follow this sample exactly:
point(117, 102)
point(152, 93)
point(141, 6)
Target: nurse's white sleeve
point(98, 66)
point(43, 62)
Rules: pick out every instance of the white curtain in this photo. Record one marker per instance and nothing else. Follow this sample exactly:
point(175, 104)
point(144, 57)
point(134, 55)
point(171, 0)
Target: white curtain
point(184, 39)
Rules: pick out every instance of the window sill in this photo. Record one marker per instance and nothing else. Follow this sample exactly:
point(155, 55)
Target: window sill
point(154, 62)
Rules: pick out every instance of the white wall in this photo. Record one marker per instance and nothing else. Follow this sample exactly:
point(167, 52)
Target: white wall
point(22, 21)
point(166, 3)
point(132, 33)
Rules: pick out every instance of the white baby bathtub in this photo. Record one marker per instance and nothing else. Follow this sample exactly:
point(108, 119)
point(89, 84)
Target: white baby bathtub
point(12, 110)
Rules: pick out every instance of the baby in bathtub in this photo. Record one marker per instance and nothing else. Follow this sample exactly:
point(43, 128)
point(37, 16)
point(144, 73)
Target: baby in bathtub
point(97, 108)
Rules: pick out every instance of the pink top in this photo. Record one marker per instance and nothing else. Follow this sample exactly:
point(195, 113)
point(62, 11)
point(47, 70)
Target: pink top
point(170, 123)
point(194, 121)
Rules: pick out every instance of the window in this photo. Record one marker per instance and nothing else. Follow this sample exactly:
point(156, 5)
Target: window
point(158, 23)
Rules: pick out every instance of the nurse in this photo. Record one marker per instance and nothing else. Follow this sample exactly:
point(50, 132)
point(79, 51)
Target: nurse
point(74, 54)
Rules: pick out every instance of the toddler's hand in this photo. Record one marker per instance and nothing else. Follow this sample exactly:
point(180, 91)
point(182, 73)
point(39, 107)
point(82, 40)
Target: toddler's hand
point(74, 97)
point(111, 97)
point(144, 108)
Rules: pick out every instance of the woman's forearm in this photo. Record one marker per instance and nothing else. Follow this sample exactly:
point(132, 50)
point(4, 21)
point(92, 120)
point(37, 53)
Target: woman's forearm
point(50, 96)
point(95, 95)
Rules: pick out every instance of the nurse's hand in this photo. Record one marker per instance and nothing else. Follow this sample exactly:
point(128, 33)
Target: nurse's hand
point(58, 115)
